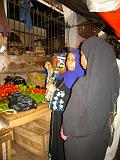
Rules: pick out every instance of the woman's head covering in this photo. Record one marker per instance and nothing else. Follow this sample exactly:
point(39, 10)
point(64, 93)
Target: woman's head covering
point(102, 80)
point(102, 65)
point(71, 76)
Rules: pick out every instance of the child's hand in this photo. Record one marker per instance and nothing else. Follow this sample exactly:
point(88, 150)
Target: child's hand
point(50, 90)
point(51, 87)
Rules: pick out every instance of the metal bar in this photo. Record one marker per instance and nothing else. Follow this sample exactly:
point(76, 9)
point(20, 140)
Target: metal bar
point(46, 28)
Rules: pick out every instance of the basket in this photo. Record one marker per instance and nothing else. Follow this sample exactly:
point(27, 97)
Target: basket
point(37, 78)
point(87, 30)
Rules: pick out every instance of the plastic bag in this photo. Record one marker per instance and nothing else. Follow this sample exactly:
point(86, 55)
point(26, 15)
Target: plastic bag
point(15, 80)
point(20, 102)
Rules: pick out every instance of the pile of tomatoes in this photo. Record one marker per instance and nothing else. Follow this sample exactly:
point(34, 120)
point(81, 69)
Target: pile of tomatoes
point(31, 88)
point(36, 90)
point(8, 89)
point(11, 88)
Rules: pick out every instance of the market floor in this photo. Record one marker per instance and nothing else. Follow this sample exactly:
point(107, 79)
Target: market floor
point(117, 157)
point(19, 153)
point(23, 154)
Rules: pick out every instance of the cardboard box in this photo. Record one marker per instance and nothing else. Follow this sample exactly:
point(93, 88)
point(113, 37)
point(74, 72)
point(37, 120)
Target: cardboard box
point(59, 62)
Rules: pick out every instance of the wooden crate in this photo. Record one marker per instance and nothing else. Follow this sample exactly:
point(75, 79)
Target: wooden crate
point(46, 116)
point(5, 143)
point(34, 136)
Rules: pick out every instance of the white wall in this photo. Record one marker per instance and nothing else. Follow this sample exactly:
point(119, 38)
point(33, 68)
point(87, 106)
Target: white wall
point(72, 39)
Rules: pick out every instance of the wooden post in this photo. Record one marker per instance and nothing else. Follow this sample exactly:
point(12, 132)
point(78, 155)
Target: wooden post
point(0, 151)
point(5, 144)
point(8, 151)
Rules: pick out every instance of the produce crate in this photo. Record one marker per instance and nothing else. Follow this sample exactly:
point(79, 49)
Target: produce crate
point(3, 99)
point(37, 78)
point(34, 136)
point(5, 143)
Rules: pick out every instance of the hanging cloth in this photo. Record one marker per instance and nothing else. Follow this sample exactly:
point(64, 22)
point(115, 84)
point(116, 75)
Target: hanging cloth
point(25, 14)
point(102, 5)
point(4, 26)
point(113, 19)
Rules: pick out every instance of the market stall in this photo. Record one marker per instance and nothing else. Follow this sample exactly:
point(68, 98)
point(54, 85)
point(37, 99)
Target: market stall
point(21, 118)
point(5, 143)
point(22, 105)
point(13, 123)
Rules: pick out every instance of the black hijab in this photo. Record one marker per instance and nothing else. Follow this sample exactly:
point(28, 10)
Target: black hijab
point(97, 91)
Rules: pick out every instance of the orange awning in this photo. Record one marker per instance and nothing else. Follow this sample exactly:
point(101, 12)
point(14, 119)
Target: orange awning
point(113, 19)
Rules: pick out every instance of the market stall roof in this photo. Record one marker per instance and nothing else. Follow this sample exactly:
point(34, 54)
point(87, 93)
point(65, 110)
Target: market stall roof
point(80, 7)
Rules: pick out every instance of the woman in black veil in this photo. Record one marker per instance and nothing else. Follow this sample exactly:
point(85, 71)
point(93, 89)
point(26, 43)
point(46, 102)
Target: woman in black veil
point(87, 120)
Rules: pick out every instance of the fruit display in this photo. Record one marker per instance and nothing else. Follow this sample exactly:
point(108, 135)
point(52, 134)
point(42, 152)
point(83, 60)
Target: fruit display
point(28, 89)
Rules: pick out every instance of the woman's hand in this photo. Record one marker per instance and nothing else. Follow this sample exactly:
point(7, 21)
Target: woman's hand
point(62, 135)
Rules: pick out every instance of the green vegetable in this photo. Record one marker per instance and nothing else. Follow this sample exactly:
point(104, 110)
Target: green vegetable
point(4, 106)
point(36, 97)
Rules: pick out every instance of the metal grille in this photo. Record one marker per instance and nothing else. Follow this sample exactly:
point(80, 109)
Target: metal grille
point(34, 29)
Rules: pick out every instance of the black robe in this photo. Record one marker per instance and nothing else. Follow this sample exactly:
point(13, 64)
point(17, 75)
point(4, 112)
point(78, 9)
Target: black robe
point(89, 114)
point(56, 144)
